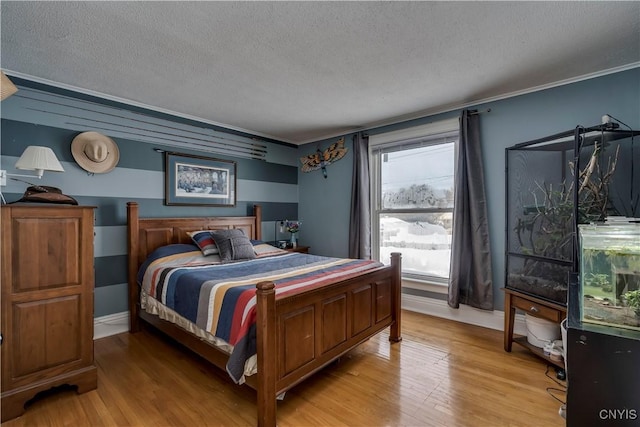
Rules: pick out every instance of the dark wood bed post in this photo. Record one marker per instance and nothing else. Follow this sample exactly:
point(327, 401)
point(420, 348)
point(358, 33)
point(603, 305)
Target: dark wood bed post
point(266, 350)
point(394, 333)
point(132, 248)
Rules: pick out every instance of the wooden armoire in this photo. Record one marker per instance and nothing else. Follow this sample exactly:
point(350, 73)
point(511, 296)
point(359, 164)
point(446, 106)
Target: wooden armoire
point(47, 301)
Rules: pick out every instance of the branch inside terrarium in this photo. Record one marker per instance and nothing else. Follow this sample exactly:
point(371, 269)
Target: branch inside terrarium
point(547, 226)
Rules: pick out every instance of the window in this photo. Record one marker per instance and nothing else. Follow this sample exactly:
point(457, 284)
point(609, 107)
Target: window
point(412, 198)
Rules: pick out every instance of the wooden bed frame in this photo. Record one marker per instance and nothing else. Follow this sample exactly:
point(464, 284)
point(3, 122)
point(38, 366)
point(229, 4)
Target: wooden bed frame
point(296, 335)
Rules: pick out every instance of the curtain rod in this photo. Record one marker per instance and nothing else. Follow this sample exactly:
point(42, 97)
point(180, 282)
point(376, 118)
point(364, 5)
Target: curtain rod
point(488, 110)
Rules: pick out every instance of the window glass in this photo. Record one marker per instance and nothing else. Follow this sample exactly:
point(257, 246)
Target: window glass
point(412, 191)
point(423, 238)
point(418, 177)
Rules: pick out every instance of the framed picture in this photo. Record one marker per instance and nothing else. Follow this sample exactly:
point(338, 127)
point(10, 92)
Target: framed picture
point(199, 181)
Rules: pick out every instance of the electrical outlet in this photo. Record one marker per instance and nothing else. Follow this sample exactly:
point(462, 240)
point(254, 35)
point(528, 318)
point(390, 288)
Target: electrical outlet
point(3, 178)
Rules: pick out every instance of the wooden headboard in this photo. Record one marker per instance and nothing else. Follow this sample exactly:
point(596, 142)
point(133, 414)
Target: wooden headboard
point(144, 235)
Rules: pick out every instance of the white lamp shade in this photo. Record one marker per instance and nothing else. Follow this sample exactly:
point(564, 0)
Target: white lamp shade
point(39, 159)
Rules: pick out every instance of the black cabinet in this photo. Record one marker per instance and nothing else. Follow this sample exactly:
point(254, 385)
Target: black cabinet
point(603, 371)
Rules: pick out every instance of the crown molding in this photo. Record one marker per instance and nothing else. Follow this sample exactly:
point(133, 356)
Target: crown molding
point(427, 113)
point(387, 122)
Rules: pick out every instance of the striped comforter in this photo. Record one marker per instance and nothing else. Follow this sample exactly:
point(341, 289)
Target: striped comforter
point(220, 297)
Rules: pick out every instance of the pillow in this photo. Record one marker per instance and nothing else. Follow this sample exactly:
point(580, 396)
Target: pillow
point(263, 249)
point(205, 242)
point(233, 245)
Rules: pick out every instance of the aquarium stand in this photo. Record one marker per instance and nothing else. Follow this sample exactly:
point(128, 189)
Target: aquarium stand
point(603, 370)
point(535, 307)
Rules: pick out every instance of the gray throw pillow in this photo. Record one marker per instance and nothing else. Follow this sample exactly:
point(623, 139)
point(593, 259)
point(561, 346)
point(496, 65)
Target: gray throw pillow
point(233, 245)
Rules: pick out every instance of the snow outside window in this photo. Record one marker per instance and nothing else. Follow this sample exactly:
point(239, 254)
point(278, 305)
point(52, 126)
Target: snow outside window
point(412, 198)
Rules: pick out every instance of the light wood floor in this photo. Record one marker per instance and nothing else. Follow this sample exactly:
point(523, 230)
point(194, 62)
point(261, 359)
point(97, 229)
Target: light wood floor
point(443, 373)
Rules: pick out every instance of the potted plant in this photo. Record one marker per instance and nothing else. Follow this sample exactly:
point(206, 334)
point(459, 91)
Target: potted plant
point(293, 227)
point(633, 300)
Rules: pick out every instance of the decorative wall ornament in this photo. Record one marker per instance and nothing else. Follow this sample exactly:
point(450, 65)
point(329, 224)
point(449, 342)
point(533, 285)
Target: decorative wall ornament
point(321, 159)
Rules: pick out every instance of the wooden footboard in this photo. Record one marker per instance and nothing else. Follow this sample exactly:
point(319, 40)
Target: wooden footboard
point(296, 335)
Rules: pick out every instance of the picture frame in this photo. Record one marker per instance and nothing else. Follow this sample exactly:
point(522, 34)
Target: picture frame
point(192, 180)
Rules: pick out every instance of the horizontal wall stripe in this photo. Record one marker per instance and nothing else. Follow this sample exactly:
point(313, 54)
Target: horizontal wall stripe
point(156, 209)
point(110, 270)
point(166, 138)
point(37, 106)
point(110, 299)
point(110, 241)
point(256, 170)
point(262, 191)
point(113, 211)
point(285, 156)
point(74, 181)
point(276, 211)
point(139, 155)
point(136, 184)
point(16, 136)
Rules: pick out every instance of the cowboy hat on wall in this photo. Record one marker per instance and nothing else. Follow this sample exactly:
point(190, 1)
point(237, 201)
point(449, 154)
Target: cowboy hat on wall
point(95, 152)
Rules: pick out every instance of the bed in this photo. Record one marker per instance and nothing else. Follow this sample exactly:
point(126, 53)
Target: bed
point(296, 334)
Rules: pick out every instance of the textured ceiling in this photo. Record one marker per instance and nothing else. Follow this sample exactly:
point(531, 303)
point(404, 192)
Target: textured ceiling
point(305, 71)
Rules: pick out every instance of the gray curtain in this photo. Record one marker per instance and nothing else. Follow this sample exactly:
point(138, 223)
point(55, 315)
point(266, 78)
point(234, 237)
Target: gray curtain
point(360, 218)
point(470, 274)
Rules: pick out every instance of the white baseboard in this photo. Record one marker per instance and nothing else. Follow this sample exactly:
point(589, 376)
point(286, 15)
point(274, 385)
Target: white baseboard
point(111, 324)
point(464, 314)
point(117, 323)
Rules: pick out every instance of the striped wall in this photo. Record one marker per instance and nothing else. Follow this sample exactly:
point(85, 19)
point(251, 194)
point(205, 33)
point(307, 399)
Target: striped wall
point(139, 176)
point(322, 203)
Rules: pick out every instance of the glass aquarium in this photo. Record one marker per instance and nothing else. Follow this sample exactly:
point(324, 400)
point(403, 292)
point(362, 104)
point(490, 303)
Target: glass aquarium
point(610, 274)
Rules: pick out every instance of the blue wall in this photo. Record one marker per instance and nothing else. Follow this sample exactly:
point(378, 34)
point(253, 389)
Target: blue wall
point(139, 176)
point(283, 189)
point(325, 203)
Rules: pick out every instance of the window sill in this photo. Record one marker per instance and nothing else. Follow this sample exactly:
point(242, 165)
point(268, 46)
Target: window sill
point(424, 285)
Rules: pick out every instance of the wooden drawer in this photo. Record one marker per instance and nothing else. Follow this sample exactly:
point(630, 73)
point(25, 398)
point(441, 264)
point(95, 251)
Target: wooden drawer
point(538, 310)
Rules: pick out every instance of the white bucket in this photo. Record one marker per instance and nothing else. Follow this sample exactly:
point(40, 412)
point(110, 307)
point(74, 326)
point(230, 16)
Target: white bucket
point(541, 331)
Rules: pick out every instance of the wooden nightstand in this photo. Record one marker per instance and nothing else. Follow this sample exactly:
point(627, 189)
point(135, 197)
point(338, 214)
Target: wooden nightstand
point(301, 249)
point(536, 307)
